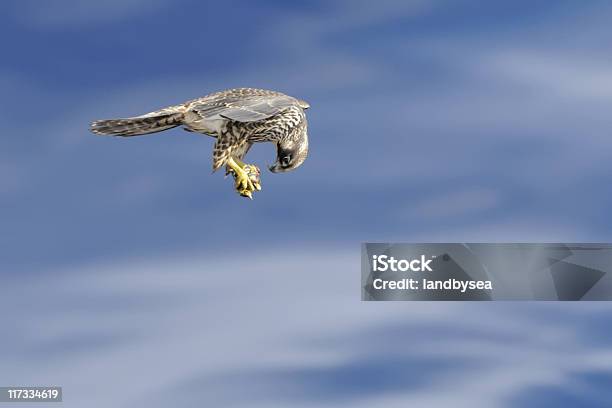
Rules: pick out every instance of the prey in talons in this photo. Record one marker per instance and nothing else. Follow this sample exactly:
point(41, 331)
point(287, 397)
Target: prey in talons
point(246, 177)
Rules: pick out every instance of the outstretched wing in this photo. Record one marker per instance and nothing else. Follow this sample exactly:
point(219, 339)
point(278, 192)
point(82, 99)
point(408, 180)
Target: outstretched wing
point(242, 108)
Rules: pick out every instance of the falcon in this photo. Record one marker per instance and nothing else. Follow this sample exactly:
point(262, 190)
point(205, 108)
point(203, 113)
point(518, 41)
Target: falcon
point(237, 118)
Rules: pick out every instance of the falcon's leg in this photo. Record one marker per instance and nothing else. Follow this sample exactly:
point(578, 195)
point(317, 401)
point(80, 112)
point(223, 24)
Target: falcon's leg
point(246, 176)
point(239, 162)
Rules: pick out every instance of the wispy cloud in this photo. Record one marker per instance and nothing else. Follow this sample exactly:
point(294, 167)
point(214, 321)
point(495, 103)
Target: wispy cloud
point(472, 127)
point(571, 77)
point(457, 203)
point(198, 326)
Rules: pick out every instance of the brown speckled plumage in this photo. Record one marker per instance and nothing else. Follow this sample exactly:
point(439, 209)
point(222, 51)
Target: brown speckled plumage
point(236, 117)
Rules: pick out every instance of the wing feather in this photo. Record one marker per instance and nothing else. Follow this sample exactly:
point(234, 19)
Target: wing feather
point(244, 108)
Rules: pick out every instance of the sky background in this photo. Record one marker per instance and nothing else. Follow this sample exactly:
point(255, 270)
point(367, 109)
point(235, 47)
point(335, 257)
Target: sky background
point(134, 277)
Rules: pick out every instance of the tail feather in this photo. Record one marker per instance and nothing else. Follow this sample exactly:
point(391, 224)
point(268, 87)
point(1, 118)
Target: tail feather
point(141, 125)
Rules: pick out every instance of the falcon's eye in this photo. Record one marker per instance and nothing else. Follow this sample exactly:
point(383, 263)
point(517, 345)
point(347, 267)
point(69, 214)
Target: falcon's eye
point(286, 161)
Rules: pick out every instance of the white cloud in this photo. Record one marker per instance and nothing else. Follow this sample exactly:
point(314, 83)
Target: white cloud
point(158, 324)
point(513, 228)
point(559, 74)
point(456, 203)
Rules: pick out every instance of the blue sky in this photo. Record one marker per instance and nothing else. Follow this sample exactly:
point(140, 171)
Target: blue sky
point(430, 121)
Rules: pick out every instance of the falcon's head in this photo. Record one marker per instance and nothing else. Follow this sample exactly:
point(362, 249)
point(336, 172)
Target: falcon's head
point(291, 152)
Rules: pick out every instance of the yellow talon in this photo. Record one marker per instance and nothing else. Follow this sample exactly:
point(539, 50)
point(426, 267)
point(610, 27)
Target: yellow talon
point(246, 177)
point(242, 178)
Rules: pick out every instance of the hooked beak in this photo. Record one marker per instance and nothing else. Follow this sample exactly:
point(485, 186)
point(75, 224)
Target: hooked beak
point(275, 168)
